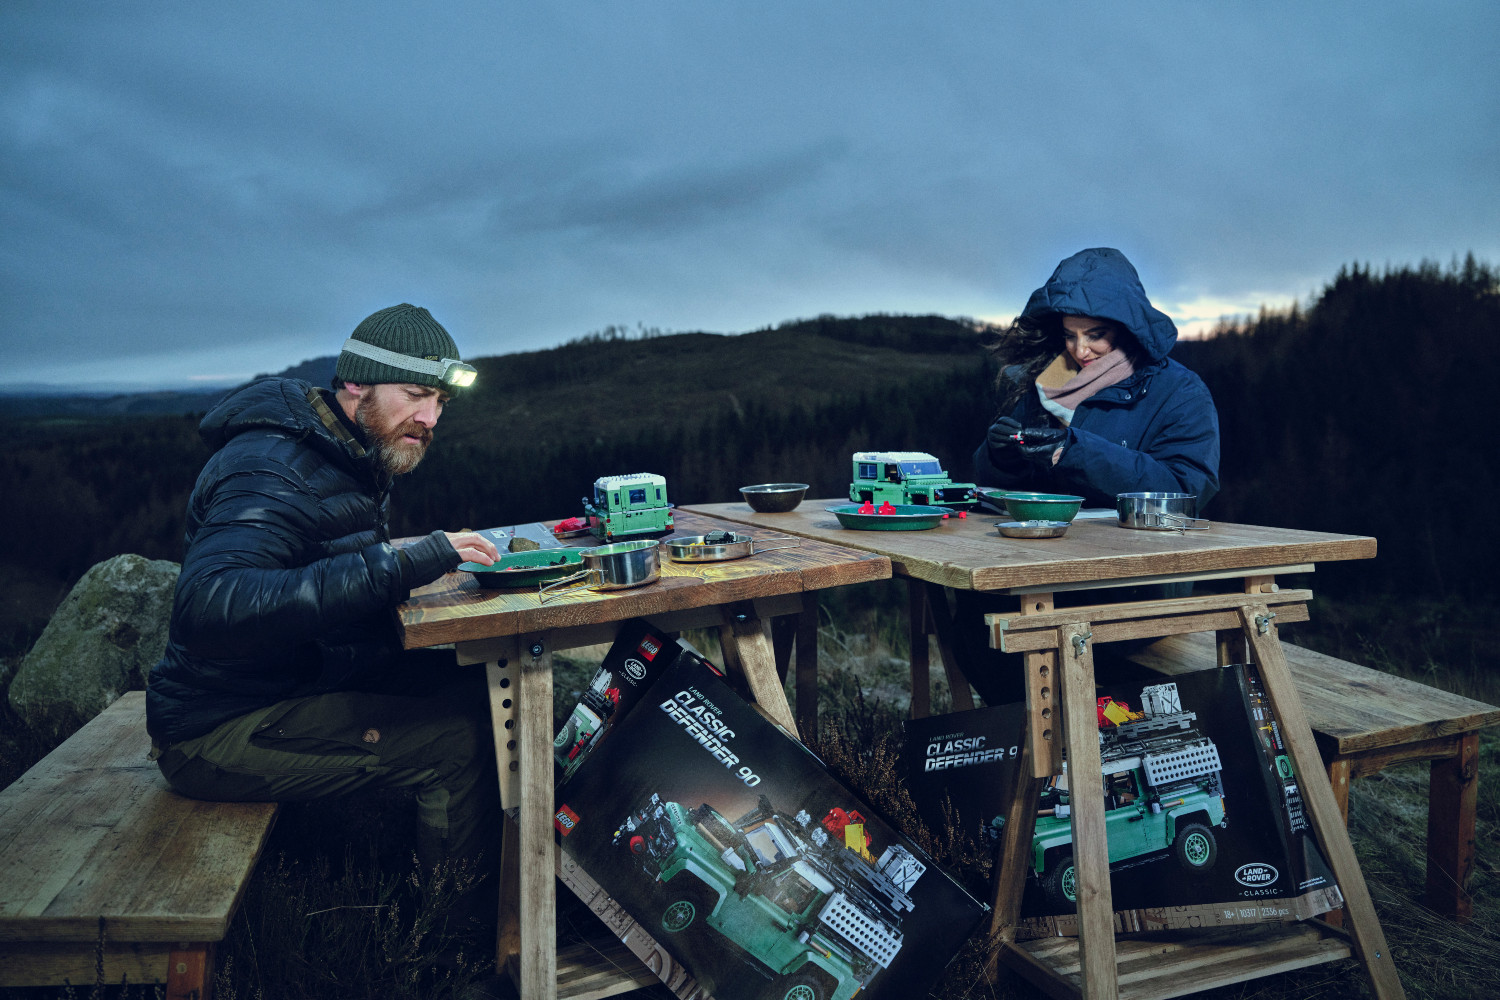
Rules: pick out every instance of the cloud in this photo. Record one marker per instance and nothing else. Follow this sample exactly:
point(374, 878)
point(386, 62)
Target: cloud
point(261, 177)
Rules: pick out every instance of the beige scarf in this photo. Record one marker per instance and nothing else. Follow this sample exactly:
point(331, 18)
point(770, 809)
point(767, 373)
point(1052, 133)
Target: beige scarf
point(1062, 385)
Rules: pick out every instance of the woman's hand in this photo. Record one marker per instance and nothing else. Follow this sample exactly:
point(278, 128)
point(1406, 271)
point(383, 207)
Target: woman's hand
point(1038, 445)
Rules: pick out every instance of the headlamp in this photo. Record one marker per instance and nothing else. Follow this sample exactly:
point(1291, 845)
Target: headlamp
point(449, 371)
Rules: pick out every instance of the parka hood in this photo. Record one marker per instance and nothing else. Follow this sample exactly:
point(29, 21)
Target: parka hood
point(269, 404)
point(1101, 282)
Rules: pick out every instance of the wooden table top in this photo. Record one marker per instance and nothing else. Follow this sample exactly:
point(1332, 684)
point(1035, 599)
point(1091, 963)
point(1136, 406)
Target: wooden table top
point(970, 554)
point(455, 608)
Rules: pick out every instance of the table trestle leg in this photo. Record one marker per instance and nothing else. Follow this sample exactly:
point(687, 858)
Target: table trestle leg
point(537, 856)
point(1322, 808)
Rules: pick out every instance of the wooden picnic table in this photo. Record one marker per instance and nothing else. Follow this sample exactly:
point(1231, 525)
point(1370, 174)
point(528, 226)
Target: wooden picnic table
point(1057, 646)
point(514, 633)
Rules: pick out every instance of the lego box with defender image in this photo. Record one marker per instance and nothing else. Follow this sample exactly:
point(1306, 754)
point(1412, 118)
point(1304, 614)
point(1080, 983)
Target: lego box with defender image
point(1203, 813)
point(728, 843)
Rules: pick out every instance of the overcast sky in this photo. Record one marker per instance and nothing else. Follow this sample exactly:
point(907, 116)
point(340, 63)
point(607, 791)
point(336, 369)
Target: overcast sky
point(213, 189)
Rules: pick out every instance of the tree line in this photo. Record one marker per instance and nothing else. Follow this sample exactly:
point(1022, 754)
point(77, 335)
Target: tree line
point(1358, 413)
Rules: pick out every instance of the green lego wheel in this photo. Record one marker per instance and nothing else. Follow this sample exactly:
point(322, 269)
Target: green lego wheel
point(1060, 884)
point(1195, 847)
point(807, 986)
point(686, 906)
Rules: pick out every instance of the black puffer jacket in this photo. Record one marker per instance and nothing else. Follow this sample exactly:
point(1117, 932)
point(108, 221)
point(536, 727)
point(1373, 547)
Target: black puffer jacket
point(289, 579)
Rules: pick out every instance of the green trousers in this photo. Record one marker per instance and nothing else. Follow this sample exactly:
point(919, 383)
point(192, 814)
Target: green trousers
point(424, 727)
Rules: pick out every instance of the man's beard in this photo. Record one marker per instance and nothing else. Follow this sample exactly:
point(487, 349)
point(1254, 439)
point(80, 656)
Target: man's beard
point(388, 444)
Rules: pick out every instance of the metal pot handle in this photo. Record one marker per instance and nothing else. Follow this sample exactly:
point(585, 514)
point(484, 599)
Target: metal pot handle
point(756, 548)
point(1178, 522)
point(567, 581)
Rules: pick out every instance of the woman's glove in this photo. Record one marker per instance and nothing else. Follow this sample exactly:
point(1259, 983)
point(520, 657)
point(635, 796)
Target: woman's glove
point(1036, 445)
point(1004, 436)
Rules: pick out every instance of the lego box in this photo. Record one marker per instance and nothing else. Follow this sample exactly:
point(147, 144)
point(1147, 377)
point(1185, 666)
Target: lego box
point(728, 844)
point(1202, 809)
point(638, 656)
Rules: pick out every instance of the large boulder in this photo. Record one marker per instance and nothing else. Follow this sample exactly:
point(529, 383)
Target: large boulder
point(101, 642)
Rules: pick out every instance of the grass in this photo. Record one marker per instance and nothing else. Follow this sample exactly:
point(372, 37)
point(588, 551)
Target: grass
point(338, 910)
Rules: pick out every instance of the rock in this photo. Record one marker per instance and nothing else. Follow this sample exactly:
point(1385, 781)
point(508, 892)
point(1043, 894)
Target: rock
point(101, 642)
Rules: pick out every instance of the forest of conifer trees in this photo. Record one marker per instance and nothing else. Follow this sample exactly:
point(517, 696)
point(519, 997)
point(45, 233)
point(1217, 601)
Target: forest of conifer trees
point(1360, 412)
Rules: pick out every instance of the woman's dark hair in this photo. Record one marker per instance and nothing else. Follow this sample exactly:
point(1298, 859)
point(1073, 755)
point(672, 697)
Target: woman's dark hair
point(1023, 349)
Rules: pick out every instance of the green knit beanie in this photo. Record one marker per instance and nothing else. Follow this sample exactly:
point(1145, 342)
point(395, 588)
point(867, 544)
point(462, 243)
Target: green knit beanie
point(405, 345)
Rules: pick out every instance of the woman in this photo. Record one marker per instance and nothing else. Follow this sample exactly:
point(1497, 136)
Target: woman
point(1092, 405)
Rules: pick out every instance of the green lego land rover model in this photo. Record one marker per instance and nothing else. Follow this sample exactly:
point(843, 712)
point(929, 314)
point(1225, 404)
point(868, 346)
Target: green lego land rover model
point(623, 506)
point(906, 477)
point(1162, 790)
point(818, 917)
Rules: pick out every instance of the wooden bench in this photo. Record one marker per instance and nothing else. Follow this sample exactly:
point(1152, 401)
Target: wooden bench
point(99, 857)
point(1364, 721)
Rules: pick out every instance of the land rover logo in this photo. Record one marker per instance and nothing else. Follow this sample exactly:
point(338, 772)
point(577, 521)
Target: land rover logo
point(1256, 874)
point(635, 669)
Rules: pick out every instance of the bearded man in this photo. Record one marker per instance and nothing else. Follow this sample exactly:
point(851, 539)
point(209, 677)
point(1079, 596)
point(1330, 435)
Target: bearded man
point(284, 678)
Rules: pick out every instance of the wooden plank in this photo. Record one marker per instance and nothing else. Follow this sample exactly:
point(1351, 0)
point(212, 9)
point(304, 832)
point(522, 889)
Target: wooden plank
point(942, 624)
point(1170, 964)
point(1096, 931)
point(1356, 708)
point(49, 963)
point(1009, 881)
point(1266, 573)
point(455, 608)
point(747, 653)
point(970, 554)
point(1322, 809)
point(538, 901)
point(807, 665)
point(84, 836)
point(1453, 789)
point(1098, 614)
point(1146, 628)
point(916, 631)
point(502, 677)
point(591, 970)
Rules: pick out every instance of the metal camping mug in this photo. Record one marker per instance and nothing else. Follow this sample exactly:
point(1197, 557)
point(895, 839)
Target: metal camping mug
point(617, 566)
point(1160, 511)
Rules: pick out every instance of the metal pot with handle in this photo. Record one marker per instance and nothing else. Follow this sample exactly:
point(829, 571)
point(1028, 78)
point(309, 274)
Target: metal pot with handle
point(1160, 511)
point(720, 546)
point(617, 566)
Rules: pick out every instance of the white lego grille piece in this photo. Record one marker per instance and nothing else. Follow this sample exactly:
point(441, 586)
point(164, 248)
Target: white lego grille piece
point(867, 935)
point(1179, 765)
point(1161, 699)
point(901, 867)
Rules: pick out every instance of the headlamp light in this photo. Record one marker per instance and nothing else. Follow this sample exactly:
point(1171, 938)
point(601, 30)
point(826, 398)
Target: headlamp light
point(450, 371)
point(458, 374)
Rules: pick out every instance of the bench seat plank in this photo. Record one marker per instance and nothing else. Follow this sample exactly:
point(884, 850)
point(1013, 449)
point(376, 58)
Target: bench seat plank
point(92, 831)
point(1352, 708)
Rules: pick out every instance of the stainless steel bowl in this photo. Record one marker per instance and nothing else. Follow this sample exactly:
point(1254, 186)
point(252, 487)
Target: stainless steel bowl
point(1032, 529)
point(774, 498)
point(1159, 511)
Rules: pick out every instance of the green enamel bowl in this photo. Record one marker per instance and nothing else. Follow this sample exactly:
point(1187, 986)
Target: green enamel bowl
point(905, 517)
point(1035, 506)
point(523, 569)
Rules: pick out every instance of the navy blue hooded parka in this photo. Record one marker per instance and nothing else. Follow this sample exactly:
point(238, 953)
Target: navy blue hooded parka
point(1156, 430)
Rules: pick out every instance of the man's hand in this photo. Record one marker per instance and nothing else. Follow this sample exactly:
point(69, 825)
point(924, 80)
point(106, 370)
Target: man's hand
point(473, 547)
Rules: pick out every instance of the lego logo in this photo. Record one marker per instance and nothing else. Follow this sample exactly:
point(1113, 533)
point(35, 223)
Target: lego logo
point(1256, 874)
point(635, 669)
point(649, 649)
point(565, 820)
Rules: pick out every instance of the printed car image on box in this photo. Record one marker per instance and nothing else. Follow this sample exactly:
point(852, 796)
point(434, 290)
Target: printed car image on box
point(1202, 813)
point(731, 845)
